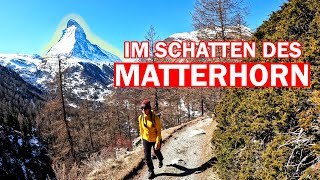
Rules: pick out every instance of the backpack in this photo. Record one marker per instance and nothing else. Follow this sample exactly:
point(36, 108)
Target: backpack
point(152, 115)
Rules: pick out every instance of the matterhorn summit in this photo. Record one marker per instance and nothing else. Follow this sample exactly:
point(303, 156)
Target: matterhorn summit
point(74, 43)
point(88, 69)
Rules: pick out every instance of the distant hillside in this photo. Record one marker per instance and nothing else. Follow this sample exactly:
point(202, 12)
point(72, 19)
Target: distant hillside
point(23, 154)
point(17, 96)
point(232, 32)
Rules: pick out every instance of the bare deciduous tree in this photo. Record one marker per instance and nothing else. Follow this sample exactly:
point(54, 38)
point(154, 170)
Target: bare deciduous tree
point(152, 37)
point(239, 23)
point(215, 15)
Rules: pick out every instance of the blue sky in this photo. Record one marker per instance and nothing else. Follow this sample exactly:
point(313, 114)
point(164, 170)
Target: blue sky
point(27, 25)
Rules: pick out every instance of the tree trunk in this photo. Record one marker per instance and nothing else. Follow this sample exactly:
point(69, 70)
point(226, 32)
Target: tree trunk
point(119, 126)
point(157, 104)
point(189, 111)
point(129, 128)
point(89, 125)
point(202, 101)
point(65, 114)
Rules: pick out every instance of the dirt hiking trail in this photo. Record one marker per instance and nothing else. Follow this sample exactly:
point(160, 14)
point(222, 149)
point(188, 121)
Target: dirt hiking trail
point(187, 154)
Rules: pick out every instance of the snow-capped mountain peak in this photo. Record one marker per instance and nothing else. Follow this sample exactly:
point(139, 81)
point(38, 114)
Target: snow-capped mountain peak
point(75, 30)
point(74, 43)
point(87, 64)
point(72, 22)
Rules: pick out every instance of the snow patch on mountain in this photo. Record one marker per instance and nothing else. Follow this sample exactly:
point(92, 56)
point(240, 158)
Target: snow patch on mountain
point(29, 67)
point(194, 35)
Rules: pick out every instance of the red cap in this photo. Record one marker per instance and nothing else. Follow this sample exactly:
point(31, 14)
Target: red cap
point(145, 104)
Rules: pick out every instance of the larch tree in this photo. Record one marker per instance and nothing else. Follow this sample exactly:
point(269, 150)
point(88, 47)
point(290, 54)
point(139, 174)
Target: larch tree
point(55, 112)
point(64, 110)
point(213, 15)
point(152, 38)
point(239, 23)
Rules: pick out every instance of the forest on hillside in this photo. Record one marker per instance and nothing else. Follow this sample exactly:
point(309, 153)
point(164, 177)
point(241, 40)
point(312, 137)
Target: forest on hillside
point(23, 151)
point(274, 133)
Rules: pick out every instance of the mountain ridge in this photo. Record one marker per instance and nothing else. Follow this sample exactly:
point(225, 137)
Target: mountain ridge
point(74, 43)
point(231, 32)
point(87, 64)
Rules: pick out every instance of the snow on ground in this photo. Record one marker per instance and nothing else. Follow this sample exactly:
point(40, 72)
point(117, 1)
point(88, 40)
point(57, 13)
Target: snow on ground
point(185, 109)
point(73, 105)
point(34, 142)
point(20, 141)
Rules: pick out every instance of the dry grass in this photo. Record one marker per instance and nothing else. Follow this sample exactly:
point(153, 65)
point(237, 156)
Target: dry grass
point(116, 168)
point(79, 172)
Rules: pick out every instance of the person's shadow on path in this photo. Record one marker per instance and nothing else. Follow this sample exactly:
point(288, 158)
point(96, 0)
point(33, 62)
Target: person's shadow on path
point(188, 171)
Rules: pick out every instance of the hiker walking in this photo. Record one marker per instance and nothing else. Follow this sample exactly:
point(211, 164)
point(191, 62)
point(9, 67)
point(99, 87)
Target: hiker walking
point(150, 133)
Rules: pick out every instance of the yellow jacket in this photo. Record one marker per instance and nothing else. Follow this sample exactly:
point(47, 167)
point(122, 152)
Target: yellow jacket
point(147, 132)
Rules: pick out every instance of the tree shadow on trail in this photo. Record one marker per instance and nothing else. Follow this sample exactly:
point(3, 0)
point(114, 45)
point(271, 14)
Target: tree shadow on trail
point(188, 171)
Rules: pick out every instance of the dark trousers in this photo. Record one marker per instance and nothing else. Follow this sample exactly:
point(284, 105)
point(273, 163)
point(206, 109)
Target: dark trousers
point(147, 153)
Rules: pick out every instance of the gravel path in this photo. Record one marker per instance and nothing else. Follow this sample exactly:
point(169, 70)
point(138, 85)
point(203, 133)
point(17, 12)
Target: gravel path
point(185, 154)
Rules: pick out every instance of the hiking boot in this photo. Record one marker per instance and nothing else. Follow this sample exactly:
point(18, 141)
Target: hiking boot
point(151, 175)
point(160, 164)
